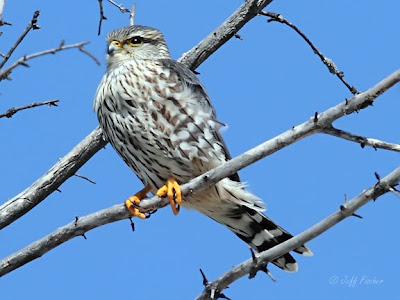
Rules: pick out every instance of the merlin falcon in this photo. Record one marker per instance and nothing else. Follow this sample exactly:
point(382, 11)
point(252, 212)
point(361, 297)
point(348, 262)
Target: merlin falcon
point(157, 115)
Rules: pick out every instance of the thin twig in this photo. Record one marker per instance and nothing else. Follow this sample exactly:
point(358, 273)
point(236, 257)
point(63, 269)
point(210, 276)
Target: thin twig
point(83, 50)
point(32, 25)
point(84, 177)
point(10, 112)
point(132, 15)
point(121, 8)
point(363, 141)
point(102, 16)
point(352, 206)
point(22, 60)
point(327, 61)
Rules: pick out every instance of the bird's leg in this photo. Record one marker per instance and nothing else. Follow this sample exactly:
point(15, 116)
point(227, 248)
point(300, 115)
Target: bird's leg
point(136, 199)
point(173, 190)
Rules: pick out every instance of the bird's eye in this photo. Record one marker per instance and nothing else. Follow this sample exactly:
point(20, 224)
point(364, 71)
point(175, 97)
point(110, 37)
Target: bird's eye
point(136, 41)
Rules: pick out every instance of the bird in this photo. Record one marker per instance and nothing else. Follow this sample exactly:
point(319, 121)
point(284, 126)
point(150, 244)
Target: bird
point(158, 117)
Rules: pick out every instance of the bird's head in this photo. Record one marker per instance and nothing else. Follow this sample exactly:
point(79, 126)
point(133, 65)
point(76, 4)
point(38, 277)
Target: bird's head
point(136, 42)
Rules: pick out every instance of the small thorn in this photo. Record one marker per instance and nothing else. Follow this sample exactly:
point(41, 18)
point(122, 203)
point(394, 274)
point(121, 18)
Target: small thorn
point(347, 101)
point(84, 236)
point(222, 296)
point(76, 220)
point(238, 36)
point(253, 255)
point(205, 281)
point(266, 271)
point(344, 208)
point(377, 177)
point(195, 72)
point(316, 117)
point(363, 145)
point(132, 224)
point(84, 177)
point(58, 190)
point(395, 192)
point(255, 269)
point(357, 216)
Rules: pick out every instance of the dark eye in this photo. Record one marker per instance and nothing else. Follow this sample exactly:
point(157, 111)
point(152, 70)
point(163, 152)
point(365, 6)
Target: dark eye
point(136, 41)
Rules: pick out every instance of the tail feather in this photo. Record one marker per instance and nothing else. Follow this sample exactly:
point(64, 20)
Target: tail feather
point(262, 234)
point(240, 211)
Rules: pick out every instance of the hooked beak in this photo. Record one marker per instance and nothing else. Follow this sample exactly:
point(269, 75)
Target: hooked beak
point(114, 47)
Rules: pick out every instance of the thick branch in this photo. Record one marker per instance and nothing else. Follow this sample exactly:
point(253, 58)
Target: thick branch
point(49, 182)
point(10, 112)
point(192, 58)
point(248, 10)
point(22, 60)
point(363, 141)
point(348, 209)
point(118, 212)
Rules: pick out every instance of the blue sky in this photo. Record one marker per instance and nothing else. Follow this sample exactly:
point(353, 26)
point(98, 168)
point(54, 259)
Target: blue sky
point(260, 86)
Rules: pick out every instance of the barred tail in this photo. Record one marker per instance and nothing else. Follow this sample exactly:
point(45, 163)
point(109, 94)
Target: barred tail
point(241, 213)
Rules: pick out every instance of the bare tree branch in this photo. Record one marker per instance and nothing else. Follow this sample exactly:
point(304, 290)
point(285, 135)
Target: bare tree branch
point(32, 25)
point(49, 182)
point(327, 61)
point(248, 10)
point(348, 209)
point(22, 60)
point(363, 141)
point(118, 212)
point(132, 15)
point(2, 22)
point(78, 156)
point(83, 50)
point(84, 177)
point(10, 112)
point(102, 16)
point(120, 7)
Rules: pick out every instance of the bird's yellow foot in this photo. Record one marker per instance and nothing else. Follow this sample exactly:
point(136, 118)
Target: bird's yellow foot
point(135, 199)
point(173, 190)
